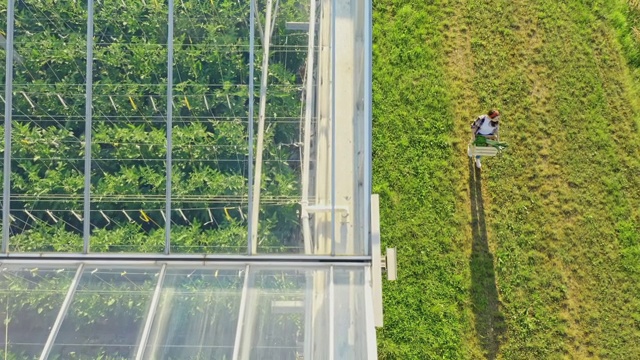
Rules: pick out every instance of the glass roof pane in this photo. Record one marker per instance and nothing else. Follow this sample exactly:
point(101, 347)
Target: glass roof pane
point(198, 314)
point(317, 315)
point(29, 302)
point(48, 105)
point(286, 120)
point(107, 314)
point(274, 319)
point(350, 314)
point(283, 120)
point(129, 97)
point(286, 312)
point(210, 148)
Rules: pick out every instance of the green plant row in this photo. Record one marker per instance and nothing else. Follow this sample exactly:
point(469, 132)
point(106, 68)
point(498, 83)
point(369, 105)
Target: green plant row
point(129, 104)
point(46, 170)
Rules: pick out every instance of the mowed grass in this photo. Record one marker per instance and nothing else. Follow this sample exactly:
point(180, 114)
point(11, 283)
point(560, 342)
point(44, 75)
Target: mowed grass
point(537, 256)
point(413, 128)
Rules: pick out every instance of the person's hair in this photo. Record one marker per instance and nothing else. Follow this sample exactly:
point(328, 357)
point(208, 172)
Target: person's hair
point(493, 113)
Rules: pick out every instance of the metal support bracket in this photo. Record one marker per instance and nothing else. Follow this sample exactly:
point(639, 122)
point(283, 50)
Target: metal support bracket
point(389, 264)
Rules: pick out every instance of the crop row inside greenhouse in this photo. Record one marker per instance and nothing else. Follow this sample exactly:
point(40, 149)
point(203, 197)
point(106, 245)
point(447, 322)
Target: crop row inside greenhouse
point(128, 96)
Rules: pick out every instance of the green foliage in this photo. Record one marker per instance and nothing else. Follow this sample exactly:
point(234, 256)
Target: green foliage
point(538, 258)
point(412, 174)
point(210, 135)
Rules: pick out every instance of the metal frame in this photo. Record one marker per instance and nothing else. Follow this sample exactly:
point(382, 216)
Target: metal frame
point(8, 115)
point(169, 168)
point(10, 56)
point(333, 126)
point(376, 262)
point(241, 315)
point(370, 316)
point(187, 258)
point(62, 313)
point(155, 300)
point(332, 313)
point(185, 265)
point(308, 316)
point(257, 180)
point(86, 224)
point(368, 118)
point(306, 161)
point(253, 181)
point(252, 36)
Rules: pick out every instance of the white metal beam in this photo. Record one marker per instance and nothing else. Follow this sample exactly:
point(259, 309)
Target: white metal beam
point(370, 321)
point(155, 300)
point(335, 130)
point(366, 180)
point(62, 313)
point(306, 157)
point(376, 265)
point(322, 142)
point(333, 125)
point(255, 205)
point(8, 112)
point(167, 224)
point(241, 315)
point(309, 315)
point(332, 313)
point(252, 36)
point(184, 260)
point(86, 225)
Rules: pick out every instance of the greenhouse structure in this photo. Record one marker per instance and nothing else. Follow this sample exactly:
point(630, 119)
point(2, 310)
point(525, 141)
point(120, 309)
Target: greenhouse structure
point(188, 179)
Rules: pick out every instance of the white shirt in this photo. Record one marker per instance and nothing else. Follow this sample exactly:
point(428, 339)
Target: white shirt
point(486, 128)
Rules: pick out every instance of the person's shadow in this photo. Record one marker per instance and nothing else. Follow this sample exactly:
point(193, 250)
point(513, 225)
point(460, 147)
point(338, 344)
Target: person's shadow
point(489, 321)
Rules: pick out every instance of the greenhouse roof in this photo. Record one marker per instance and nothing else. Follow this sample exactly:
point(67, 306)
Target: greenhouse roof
point(185, 310)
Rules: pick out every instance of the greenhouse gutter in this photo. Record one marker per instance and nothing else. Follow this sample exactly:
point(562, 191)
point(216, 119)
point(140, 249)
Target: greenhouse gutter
point(275, 260)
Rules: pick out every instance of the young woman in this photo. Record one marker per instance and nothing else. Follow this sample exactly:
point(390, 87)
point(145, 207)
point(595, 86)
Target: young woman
point(486, 126)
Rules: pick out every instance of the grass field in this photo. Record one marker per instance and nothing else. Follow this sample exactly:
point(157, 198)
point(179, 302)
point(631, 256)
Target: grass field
point(538, 255)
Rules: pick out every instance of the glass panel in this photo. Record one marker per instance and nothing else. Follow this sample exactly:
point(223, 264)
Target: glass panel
point(197, 316)
point(349, 119)
point(320, 172)
point(107, 314)
point(210, 149)
point(362, 132)
point(279, 228)
point(210, 127)
point(350, 314)
point(317, 314)
point(286, 313)
point(275, 316)
point(129, 126)
point(30, 299)
point(48, 126)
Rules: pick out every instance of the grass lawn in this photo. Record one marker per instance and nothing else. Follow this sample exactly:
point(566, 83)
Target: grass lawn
point(537, 256)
